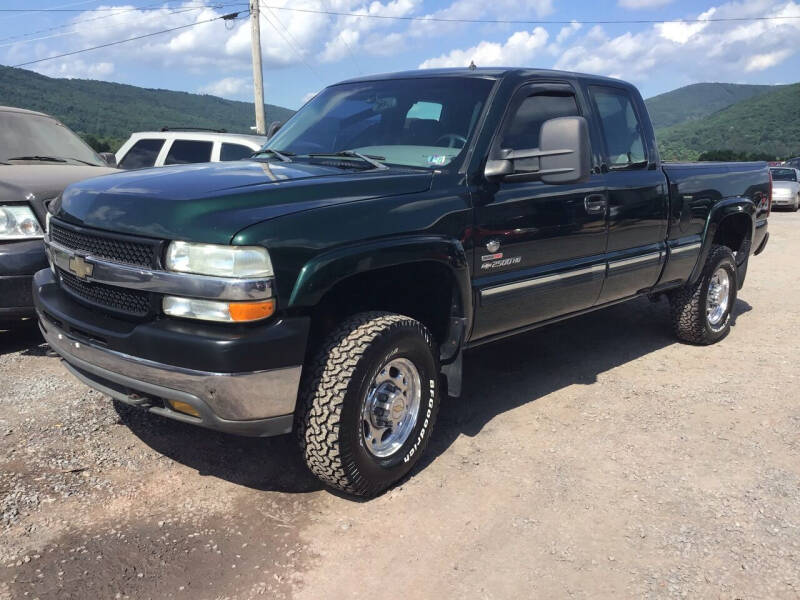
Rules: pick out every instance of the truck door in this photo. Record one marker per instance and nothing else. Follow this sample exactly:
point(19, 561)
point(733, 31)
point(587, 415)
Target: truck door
point(539, 248)
point(638, 200)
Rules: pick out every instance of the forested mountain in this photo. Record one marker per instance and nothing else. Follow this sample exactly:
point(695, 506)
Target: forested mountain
point(112, 111)
point(767, 125)
point(697, 101)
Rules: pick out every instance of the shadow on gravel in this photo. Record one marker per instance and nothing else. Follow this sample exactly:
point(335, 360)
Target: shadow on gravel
point(267, 464)
point(497, 377)
point(21, 335)
point(509, 373)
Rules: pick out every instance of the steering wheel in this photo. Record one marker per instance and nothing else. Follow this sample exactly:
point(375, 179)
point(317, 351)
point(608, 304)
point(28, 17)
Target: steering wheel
point(451, 138)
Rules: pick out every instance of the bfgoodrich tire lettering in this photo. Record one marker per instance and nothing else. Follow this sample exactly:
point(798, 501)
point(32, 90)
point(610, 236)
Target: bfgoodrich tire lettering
point(329, 416)
point(688, 304)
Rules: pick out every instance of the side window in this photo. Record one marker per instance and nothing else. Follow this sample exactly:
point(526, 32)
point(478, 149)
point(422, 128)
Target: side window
point(522, 131)
point(622, 131)
point(142, 154)
point(188, 151)
point(234, 152)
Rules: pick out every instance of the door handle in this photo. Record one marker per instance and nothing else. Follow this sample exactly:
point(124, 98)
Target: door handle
point(595, 204)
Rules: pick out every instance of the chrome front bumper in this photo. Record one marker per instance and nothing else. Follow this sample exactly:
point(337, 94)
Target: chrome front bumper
point(259, 403)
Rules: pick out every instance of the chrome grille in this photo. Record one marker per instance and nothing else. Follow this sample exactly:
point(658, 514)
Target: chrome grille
point(120, 249)
point(130, 302)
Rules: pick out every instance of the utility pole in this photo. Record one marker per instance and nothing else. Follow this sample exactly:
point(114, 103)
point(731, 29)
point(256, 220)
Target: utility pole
point(258, 82)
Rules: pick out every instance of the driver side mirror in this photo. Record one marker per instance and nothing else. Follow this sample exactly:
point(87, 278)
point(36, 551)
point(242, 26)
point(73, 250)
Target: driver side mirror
point(563, 155)
point(273, 128)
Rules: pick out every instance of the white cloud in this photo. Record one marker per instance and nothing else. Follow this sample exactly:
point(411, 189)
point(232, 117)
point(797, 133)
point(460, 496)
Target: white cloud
point(681, 32)
point(713, 51)
point(637, 4)
point(759, 62)
point(237, 88)
point(517, 50)
point(567, 31)
point(77, 69)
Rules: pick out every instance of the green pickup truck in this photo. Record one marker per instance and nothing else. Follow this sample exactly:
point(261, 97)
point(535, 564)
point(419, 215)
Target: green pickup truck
point(331, 283)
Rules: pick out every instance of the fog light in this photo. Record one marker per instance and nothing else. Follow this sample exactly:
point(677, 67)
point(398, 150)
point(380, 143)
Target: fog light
point(183, 407)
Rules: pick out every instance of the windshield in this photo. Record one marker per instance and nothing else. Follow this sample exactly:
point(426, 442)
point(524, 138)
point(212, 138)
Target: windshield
point(784, 174)
point(409, 122)
point(24, 134)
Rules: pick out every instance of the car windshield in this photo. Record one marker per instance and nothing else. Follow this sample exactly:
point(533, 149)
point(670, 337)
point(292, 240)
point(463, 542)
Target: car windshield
point(409, 122)
point(40, 137)
point(784, 174)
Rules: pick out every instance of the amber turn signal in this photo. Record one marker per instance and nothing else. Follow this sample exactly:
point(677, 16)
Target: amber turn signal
point(183, 407)
point(251, 311)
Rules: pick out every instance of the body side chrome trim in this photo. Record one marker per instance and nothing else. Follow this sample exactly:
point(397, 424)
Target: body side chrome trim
point(162, 282)
point(544, 280)
point(686, 248)
point(625, 262)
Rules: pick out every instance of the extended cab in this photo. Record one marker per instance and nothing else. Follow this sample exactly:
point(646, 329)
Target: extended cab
point(331, 284)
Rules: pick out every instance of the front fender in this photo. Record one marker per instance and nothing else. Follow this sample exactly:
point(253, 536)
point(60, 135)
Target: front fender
point(320, 274)
point(724, 209)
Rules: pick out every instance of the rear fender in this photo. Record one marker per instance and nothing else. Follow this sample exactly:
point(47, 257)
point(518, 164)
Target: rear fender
point(722, 210)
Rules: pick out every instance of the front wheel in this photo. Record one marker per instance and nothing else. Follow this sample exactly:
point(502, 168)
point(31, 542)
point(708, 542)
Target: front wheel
point(368, 402)
point(701, 312)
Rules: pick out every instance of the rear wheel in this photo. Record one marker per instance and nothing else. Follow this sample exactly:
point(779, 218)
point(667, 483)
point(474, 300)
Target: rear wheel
point(701, 312)
point(369, 402)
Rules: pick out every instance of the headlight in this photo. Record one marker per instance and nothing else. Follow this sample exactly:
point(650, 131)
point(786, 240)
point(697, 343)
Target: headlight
point(220, 261)
point(18, 222)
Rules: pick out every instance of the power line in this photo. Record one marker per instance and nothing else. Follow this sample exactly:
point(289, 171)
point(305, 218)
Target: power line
point(291, 45)
point(346, 43)
point(229, 17)
point(75, 30)
point(85, 10)
point(119, 12)
point(527, 22)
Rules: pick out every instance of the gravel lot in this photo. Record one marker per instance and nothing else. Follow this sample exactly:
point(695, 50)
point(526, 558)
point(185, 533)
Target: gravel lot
point(593, 458)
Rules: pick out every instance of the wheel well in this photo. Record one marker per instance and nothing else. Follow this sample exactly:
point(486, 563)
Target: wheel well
point(424, 291)
point(734, 232)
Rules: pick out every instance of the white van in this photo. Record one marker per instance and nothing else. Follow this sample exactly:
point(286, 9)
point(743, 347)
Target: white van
point(184, 146)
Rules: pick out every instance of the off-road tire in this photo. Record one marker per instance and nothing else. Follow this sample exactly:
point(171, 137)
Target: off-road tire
point(328, 419)
point(688, 304)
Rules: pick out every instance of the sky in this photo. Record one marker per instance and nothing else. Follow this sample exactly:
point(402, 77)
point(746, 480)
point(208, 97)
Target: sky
point(305, 48)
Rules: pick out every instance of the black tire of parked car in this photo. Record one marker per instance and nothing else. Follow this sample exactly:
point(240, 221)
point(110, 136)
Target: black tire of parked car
point(329, 417)
point(688, 304)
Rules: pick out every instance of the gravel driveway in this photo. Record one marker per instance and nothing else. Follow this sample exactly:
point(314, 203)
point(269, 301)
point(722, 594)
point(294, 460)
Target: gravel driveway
point(596, 458)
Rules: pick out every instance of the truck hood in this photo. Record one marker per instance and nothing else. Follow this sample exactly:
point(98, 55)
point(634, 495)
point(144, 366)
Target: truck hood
point(39, 182)
point(211, 202)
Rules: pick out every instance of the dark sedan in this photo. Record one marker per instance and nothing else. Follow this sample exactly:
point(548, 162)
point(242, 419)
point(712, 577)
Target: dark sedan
point(39, 157)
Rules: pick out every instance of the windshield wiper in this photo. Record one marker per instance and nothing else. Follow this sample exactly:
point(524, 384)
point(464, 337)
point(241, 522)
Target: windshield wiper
point(369, 158)
point(283, 155)
point(39, 158)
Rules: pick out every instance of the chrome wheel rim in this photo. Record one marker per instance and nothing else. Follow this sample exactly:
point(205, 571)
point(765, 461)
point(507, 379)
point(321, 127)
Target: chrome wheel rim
point(391, 407)
point(719, 293)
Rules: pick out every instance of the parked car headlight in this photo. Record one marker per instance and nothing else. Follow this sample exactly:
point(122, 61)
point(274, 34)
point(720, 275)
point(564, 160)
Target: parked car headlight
point(218, 260)
point(17, 222)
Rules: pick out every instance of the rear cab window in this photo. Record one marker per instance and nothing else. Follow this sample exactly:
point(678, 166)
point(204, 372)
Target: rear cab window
point(142, 154)
point(230, 151)
point(784, 174)
point(183, 152)
point(620, 126)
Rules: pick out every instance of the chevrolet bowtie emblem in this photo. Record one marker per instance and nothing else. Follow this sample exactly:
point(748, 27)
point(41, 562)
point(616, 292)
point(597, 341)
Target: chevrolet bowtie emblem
point(79, 267)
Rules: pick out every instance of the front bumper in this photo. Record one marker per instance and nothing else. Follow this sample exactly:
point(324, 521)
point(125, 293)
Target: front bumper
point(18, 262)
point(253, 402)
